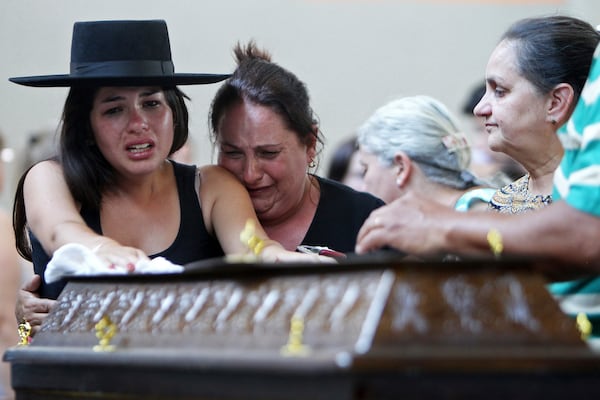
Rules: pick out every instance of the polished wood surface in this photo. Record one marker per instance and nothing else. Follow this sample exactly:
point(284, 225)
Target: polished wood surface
point(365, 329)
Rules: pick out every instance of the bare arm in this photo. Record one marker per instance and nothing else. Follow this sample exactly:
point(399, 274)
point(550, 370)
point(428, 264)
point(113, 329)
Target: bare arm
point(558, 231)
point(419, 226)
point(227, 207)
point(53, 216)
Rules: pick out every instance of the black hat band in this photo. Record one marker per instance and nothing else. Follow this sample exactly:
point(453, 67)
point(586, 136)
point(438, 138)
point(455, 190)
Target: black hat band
point(136, 68)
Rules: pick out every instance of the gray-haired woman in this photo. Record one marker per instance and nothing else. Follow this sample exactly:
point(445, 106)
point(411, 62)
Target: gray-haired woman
point(414, 144)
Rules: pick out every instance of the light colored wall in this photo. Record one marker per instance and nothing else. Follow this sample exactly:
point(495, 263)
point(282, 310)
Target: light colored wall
point(354, 55)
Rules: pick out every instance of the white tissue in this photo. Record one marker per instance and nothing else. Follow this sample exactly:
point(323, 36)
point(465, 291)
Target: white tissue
point(76, 259)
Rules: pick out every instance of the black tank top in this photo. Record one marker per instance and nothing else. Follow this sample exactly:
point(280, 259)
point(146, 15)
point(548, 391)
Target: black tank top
point(193, 242)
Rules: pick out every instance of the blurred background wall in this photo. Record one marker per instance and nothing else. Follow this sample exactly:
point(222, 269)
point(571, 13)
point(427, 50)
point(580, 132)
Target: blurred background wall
point(354, 55)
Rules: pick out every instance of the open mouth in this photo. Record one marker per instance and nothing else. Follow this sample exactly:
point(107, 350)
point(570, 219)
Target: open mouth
point(139, 148)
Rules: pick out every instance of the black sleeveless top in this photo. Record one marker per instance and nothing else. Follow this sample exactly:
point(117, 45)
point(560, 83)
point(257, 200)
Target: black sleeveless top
point(192, 243)
point(340, 214)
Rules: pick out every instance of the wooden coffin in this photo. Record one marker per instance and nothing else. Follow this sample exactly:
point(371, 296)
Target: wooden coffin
point(364, 329)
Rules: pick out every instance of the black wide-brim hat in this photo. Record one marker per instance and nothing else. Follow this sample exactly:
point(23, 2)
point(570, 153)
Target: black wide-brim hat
point(120, 53)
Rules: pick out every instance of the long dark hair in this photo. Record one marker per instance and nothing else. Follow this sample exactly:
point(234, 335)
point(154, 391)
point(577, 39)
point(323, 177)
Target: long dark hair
point(87, 173)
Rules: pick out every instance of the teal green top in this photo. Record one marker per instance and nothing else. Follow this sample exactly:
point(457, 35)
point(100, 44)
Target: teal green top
point(470, 198)
point(577, 181)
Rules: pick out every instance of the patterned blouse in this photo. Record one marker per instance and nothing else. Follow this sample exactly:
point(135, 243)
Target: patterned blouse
point(515, 198)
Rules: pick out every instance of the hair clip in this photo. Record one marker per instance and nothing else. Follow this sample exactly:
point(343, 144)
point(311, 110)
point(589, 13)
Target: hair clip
point(455, 142)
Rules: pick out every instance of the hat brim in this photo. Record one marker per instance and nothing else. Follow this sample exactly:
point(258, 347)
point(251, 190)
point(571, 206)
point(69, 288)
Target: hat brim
point(70, 80)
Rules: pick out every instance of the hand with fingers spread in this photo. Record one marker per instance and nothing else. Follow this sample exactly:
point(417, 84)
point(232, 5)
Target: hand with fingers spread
point(404, 225)
point(114, 255)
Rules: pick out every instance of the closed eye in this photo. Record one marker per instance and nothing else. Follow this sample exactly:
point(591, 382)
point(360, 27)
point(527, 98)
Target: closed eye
point(268, 154)
point(232, 153)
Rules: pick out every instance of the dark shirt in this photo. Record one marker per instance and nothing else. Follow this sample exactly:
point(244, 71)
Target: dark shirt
point(340, 214)
point(338, 218)
point(192, 243)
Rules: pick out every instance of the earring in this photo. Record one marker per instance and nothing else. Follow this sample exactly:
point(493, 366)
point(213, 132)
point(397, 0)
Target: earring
point(312, 164)
point(553, 121)
point(398, 177)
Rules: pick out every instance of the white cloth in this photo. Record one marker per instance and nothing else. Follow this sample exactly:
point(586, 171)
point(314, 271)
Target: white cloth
point(76, 259)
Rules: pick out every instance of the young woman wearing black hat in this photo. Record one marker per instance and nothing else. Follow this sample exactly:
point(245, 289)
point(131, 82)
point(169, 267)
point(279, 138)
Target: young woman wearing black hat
point(122, 118)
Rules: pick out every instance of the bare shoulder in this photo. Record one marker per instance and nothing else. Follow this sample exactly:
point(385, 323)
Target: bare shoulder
point(44, 170)
point(217, 174)
point(45, 183)
point(215, 183)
